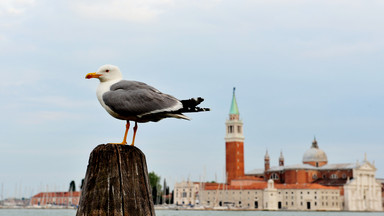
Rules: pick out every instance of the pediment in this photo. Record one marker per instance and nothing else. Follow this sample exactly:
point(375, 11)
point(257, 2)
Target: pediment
point(367, 166)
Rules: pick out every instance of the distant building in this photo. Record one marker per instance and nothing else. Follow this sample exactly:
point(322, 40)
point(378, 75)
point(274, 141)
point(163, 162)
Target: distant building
point(15, 202)
point(56, 198)
point(186, 193)
point(312, 185)
point(363, 192)
point(271, 196)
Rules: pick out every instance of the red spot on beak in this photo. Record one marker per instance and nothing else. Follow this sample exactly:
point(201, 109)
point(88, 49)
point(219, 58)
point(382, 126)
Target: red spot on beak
point(92, 75)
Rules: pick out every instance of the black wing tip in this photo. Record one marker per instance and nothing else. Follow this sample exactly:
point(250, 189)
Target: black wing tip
point(190, 105)
point(193, 101)
point(204, 109)
point(199, 99)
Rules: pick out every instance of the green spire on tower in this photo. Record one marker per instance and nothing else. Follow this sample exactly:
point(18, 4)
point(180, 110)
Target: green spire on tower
point(234, 108)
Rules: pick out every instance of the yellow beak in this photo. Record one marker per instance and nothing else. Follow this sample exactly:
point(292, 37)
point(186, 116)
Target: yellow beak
point(92, 75)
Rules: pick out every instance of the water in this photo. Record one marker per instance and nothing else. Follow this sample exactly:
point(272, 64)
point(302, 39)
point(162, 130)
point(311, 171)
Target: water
point(263, 213)
point(71, 212)
point(37, 212)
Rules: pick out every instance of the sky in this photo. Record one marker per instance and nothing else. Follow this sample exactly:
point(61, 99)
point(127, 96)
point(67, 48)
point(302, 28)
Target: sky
point(301, 69)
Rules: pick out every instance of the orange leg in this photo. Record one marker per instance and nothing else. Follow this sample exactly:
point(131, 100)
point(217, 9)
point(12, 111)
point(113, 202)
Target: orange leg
point(134, 134)
point(126, 133)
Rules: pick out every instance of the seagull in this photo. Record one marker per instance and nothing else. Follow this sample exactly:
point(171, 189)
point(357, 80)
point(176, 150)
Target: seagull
point(136, 101)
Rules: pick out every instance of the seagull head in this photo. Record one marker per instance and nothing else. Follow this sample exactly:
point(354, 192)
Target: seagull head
point(106, 73)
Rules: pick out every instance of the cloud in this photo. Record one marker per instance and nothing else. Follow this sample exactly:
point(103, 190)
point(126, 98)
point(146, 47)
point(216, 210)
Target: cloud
point(134, 10)
point(60, 102)
point(41, 117)
point(25, 111)
point(11, 14)
point(203, 4)
point(125, 10)
point(17, 83)
point(341, 50)
point(16, 78)
point(44, 109)
point(14, 7)
point(350, 15)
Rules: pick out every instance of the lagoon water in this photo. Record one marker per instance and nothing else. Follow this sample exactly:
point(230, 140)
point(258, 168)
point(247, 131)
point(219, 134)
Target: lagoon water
point(71, 212)
point(262, 213)
point(37, 212)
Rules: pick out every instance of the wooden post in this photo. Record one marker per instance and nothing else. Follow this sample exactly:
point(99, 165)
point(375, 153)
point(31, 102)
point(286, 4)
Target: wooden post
point(116, 183)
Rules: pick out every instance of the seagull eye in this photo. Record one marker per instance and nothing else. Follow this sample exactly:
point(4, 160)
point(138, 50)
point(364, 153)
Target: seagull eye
point(107, 71)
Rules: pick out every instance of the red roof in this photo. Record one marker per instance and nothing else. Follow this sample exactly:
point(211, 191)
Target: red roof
point(249, 178)
point(263, 185)
point(58, 194)
point(254, 186)
point(304, 186)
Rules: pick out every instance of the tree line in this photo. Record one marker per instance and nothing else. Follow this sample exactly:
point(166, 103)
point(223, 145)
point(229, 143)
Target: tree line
point(160, 194)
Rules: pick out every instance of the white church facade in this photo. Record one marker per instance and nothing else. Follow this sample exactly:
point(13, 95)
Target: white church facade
point(363, 192)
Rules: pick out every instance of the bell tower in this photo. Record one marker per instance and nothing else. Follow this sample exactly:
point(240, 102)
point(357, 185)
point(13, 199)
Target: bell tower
point(267, 165)
point(234, 143)
point(281, 159)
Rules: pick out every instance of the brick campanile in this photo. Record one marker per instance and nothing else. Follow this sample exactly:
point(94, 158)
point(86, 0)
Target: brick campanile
point(234, 143)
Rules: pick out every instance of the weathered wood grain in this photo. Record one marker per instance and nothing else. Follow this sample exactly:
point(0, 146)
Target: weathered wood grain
point(116, 183)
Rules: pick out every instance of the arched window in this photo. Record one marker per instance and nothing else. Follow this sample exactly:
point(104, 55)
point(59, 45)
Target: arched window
point(334, 176)
point(274, 176)
point(230, 129)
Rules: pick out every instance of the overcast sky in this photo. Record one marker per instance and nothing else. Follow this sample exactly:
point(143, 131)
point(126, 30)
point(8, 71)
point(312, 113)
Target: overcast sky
point(301, 68)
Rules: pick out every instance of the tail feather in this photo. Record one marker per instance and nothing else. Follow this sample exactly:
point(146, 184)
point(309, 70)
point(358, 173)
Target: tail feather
point(179, 116)
point(189, 105)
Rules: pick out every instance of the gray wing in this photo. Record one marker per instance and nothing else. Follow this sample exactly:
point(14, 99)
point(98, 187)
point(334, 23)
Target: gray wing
point(132, 98)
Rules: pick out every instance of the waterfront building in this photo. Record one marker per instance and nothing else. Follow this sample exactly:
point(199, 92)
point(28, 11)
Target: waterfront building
point(14, 202)
point(363, 192)
point(56, 199)
point(314, 185)
point(271, 196)
point(186, 193)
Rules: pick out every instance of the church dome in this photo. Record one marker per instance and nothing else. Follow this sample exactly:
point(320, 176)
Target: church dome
point(314, 154)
